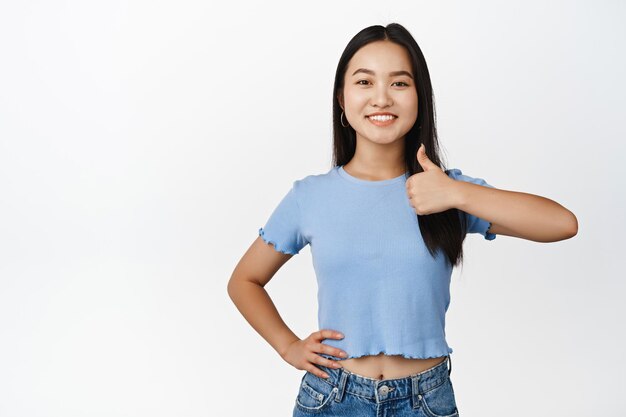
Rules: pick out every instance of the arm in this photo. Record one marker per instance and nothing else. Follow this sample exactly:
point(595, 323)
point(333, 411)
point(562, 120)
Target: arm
point(246, 289)
point(516, 214)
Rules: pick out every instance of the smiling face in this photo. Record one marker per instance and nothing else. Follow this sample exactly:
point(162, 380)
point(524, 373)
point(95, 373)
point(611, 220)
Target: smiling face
point(379, 79)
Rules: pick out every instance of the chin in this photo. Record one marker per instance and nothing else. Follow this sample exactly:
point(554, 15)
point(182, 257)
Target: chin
point(384, 141)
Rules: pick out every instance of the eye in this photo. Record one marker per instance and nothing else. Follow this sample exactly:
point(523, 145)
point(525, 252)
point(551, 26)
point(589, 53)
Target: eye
point(400, 82)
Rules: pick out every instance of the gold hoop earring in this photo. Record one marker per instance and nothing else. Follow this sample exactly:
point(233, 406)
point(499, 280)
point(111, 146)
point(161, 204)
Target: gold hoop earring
point(341, 120)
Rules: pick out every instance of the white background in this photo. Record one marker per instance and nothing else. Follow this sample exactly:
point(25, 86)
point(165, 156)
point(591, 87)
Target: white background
point(143, 144)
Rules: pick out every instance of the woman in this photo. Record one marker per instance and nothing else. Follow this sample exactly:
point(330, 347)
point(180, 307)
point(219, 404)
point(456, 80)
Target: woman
point(386, 225)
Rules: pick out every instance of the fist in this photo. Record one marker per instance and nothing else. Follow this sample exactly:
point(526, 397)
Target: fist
point(431, 191)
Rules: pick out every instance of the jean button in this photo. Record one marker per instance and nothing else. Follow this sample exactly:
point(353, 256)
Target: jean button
point(383, 390)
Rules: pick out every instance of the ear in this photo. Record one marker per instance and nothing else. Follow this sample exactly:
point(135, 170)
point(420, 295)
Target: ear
point(340, 99)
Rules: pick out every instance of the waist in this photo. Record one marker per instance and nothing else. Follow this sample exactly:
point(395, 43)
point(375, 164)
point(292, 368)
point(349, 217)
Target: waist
point(416, 383)
point(383, 366)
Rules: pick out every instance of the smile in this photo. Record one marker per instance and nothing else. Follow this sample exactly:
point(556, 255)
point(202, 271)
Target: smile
point(385, 120)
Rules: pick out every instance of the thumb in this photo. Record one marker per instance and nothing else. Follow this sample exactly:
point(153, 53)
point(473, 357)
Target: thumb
point(423, 160)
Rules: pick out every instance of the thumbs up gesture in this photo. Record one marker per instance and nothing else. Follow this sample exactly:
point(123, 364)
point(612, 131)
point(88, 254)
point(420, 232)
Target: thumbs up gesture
point(431, 191)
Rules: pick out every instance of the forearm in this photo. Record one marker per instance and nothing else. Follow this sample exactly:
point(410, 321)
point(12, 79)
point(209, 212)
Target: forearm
point(256, 306)
point(525, 215)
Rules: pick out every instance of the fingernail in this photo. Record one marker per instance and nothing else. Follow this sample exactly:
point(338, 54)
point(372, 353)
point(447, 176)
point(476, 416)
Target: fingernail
point(339, 335)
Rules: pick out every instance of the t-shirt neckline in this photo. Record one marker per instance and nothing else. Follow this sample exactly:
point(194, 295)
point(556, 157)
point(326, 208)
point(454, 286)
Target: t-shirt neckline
point(342, 172)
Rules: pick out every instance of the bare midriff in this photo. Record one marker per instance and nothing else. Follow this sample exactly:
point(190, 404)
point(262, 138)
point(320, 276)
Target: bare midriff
point(383, 366)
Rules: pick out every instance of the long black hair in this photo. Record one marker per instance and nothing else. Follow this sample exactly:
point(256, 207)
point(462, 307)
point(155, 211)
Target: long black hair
point(441, 231)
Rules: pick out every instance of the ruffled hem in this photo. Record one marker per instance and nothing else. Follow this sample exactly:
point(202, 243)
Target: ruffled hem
point(279, 249)
point(403, 354)
point(488, 234)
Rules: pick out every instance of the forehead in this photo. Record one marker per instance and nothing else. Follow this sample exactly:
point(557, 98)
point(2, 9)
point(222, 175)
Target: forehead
point(382, 57)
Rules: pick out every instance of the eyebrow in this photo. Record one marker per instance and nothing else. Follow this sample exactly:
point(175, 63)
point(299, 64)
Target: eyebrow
point(392, 73)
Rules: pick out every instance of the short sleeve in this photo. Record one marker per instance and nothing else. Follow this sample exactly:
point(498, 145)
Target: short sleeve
point(283, 228)
point(474, 224)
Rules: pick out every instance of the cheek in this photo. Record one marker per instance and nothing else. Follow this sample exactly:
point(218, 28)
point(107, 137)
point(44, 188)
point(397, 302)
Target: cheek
point(355, 105)
point(409, 101)
point(355, 98)
point(410, 106)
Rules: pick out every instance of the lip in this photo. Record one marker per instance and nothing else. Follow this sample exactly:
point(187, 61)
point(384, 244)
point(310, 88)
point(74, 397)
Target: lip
point(381, 123)
point(384, 113)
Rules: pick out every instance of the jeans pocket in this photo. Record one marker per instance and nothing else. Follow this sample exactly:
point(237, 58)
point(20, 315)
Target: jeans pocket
point(439, 401)
point(315, 394)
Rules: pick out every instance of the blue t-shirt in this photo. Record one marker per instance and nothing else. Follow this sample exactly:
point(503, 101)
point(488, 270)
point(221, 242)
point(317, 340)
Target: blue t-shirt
point(377, 282)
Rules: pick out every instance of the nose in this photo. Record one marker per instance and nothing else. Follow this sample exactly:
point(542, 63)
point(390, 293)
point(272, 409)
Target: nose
point(381, 97)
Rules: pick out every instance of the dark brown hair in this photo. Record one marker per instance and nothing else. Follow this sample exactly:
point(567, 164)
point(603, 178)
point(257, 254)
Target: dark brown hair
point(441, 231)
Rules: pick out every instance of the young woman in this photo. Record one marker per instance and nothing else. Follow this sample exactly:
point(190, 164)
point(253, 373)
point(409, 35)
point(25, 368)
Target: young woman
point(385, 224)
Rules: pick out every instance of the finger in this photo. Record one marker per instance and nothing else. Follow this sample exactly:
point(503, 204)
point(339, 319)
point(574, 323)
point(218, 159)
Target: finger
point(329, 350)
point(423, 159)
point(329, 334)
point(340, 353)
point(332, 364)
point(316, 371)
point(320, 360)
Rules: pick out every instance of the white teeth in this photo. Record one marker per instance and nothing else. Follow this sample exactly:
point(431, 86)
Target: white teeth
point(381, 118)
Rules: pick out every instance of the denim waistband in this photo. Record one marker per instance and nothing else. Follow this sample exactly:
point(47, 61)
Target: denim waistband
point(380, 390)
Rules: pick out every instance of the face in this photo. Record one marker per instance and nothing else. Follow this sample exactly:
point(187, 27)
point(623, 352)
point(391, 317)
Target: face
point(379, 79)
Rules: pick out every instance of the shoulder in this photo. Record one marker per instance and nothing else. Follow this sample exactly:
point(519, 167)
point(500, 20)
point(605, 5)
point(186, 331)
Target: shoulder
point(457, 174)
point(312, 190)
point(313, 182)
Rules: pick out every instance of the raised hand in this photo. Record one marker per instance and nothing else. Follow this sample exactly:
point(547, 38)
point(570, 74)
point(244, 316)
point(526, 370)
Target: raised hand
point(431, 191)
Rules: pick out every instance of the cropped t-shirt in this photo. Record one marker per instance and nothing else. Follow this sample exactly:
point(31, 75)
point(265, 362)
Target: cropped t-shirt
point(377, 283)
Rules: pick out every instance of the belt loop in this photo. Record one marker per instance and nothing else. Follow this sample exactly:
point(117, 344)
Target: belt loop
point(450, 363)
point(341, 384)
point(415, 392)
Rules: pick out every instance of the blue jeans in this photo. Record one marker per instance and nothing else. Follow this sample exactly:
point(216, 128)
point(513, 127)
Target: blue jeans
point(425, 394)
